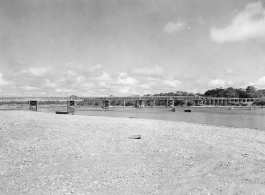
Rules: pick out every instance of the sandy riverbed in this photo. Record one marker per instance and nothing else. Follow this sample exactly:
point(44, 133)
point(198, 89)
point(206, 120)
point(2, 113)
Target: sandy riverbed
point(44, 153)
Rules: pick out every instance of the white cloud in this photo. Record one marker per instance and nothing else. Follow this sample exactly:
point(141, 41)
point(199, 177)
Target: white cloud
point(84, 68)
point(123, 78)
point(152, 71)
point(2, 81)
point(49, 84)
point(124, 90)
point(95, 67)
point(261, 82)
point(220, 83)
point(175, 26)
point(104, 77)
point(247, 24)
point(29, 88)
point(86, 85)
point(38, 71)
point(145, 86)
point(171, 82)
point(217, 83)
point(101, 83)
point(65, 90)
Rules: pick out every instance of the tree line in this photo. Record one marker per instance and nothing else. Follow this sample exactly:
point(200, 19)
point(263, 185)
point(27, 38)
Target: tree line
point(230, 92)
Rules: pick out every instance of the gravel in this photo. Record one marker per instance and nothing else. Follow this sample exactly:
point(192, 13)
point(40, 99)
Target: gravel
point(42, 153)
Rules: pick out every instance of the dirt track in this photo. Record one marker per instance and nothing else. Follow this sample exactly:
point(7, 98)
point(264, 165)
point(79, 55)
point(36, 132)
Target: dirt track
point(44, 153)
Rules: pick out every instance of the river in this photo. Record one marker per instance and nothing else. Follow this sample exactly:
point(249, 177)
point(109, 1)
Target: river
point(221, 116)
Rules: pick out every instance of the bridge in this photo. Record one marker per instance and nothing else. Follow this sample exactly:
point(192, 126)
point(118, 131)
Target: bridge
point(96, 98)
point(139, 100)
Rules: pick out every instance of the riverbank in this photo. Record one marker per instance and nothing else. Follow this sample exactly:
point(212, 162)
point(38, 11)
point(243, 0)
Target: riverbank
point(45, 153)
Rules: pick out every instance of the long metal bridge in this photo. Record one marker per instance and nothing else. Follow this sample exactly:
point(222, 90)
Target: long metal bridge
point(139, 100)
point(97, 98)
point(194, 98)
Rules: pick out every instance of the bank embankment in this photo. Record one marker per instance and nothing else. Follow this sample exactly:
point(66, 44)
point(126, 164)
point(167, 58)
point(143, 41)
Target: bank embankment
point(43, 153)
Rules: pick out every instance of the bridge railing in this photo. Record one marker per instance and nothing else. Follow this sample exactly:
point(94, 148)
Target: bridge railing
point(95, 98)
point(119, 98)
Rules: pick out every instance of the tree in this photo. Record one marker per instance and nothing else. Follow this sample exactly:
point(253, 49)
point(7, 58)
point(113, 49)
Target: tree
point(242, 93)
point(73, 96)
point(231, 93)
point(218, 92)
point(251, 89)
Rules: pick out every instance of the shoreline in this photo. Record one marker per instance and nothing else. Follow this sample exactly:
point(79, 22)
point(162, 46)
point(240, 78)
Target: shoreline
point(43, 153)
point(178, 116)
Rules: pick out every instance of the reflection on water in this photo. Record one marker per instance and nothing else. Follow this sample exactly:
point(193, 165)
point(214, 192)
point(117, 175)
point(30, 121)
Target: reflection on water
point(214, 116)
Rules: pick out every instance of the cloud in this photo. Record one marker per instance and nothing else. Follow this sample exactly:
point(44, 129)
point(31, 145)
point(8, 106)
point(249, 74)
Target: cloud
point(66, 80)
point(104, 77)
point(261, 82)
point(145, 86)
point(125, 90)
point(175, 26)
point(95, 67)
point(2, 81)
point(84, 69)
point(29, 88)
point(153, 71)
point(38, 71)
point(124, 79)
point(219, 83)
point(216, 83)
point(49, 84)
point(247, 24)
point(101, 83)
point(171, 82)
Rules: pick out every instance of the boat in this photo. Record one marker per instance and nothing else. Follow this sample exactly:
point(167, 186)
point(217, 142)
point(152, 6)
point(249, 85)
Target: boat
point(61, 112)
point(187, 110)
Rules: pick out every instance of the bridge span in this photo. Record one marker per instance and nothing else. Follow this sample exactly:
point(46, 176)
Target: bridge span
point(96, 98)
point(139, 100)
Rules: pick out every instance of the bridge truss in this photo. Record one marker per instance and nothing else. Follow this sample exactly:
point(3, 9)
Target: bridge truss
point(97, 98)
point(139, 100)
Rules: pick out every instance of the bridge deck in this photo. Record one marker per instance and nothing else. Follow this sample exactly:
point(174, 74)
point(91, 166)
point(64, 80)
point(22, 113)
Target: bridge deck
point(118, 98)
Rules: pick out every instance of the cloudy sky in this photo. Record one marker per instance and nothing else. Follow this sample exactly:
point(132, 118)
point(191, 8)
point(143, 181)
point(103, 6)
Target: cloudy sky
point(124, 47)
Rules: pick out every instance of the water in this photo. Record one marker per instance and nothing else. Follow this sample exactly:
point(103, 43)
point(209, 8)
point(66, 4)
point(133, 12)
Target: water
point(220, 116)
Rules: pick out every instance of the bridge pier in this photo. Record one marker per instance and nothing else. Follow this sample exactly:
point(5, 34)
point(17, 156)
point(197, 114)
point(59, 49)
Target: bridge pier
point(154, 103)
point(105, 104)
point(71, 106)
point(216, 102)
point(33, 105)
point(139, 103)
point(199, 102)
point(170, 103)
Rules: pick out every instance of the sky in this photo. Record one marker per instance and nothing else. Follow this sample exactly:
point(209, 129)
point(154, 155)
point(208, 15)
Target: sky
point(125, 47)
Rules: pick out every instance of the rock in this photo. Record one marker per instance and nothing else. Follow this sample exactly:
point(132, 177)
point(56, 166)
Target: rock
point(135, 137)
